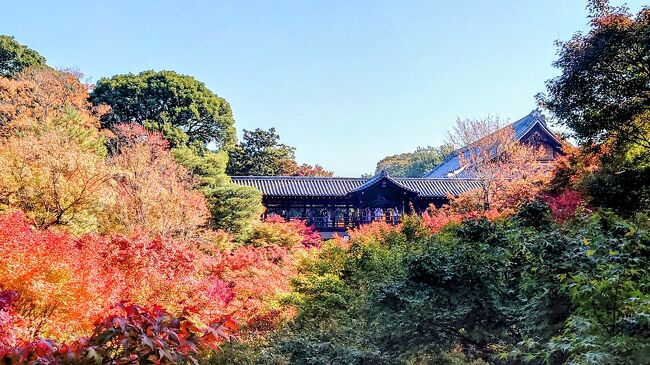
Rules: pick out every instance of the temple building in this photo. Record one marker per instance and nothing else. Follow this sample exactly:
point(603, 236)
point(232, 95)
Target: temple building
point(531, 129)
point(335, 204)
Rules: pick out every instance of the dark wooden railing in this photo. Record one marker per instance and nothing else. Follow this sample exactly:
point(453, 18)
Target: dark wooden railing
point(342, 224)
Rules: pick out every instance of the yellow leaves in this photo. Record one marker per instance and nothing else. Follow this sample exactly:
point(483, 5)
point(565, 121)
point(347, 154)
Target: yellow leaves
point(53, 179)
point(587, 243)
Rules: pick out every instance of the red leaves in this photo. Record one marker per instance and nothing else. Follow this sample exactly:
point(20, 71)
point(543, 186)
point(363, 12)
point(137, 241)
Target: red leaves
point(564, 205)
point(7, 318)
point(129, 134)
point(63, 283)
point(438, 218)
point(133, 333)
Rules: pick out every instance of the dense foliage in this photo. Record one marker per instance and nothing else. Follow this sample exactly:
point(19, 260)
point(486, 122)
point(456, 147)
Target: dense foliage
point(131, 244)
point(414, 164)
point(233, 208)
point(602, 95)
point(52, 159)
point(521, 289)
point(153, 192)
point(15, 57)
point(183, 109)
point(134, 335)
point(602, 92)
point(91, 217)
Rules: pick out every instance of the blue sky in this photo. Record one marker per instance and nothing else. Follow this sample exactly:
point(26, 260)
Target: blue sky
point(346, 83)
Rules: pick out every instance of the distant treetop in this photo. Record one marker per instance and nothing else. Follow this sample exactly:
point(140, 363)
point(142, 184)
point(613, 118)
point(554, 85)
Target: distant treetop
point(414, 164)
point(179, 106)
point(15, 57)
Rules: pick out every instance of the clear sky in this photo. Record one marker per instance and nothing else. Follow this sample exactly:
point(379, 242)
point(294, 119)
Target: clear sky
point(345, 82)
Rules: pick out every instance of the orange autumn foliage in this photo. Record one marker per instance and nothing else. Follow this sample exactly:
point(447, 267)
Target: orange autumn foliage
point(508, 171)
point(251, 278)
point(275, 230)
point(56, 287)
point(372, 232)
point(55, 178)
point(42, 93)
point(578, 162)
point(435, 219)
point(154, 193)
point(64, 283)
point(51, 151)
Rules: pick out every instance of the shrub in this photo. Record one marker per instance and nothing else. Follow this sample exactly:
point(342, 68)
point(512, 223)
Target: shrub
point(134, 334)
point(564, 206)
point(63, 283)
point(275, 231)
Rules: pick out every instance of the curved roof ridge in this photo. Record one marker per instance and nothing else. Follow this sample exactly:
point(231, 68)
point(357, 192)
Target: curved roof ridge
point(383, 174)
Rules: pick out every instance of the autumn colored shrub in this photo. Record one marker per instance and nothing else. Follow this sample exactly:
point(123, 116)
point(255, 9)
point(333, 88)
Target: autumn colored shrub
point(459, 209)
point(51, 151)
point(277, 231)
point(371, 232)
point(563, 206)
point(63, 283)
point(39, 94)
point(435, 219)
point(56, 283)
point(55, 172)
point(7, 319)
point(578, 162)
point(134, 334)
point(251, 278)
point(154, 193)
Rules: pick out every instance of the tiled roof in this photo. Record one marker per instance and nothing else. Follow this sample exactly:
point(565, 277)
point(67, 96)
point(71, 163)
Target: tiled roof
point(382, 175)
point(452, 164)
point(299, 186)
point(427, 187)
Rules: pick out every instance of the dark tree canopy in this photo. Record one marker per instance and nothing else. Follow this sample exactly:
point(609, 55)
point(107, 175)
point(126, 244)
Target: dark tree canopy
point(15, 57)
point(179, 106)
point(260, 153)
point(414, 164)
point(603, 93)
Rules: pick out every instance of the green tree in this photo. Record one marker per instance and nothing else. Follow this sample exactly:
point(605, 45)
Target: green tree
point(414, 164)
point(179, 106)
point(516, 290)
point(15, 57)
point(233, 208)
point(603, 92)
point(260, 153)
point(603, 95)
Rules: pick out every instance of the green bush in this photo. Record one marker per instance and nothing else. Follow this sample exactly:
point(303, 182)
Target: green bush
point(516, 290)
